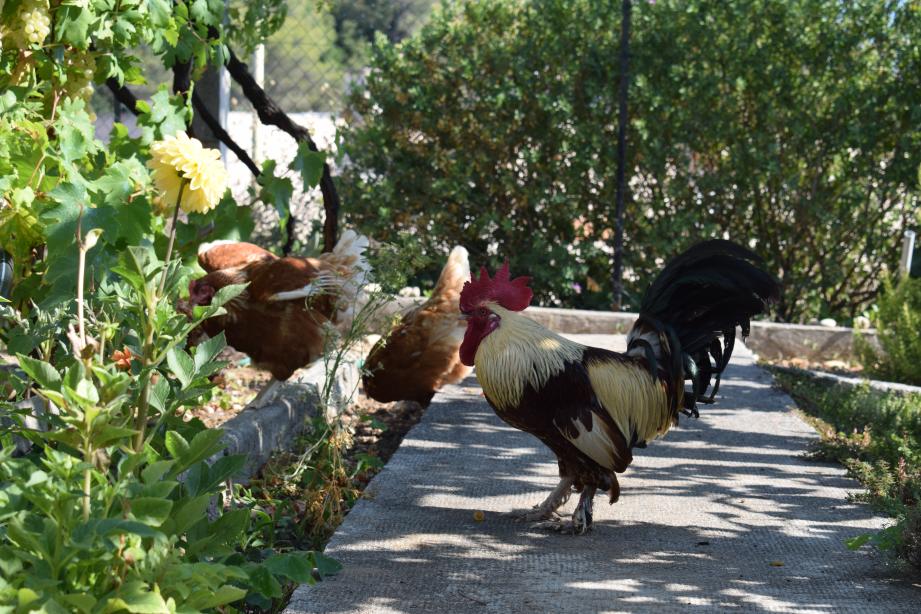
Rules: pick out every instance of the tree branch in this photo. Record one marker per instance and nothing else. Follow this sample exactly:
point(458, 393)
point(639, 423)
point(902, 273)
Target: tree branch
point(271, 114)
point(123, 95)
point(215, 126)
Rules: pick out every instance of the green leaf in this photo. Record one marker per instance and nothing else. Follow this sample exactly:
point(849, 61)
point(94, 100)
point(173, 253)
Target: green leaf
point(150, 510)
point(326, 566)
point(137, 597)
point(204, 445)
point(294, 566)
point(108, 434)
point(226, 467)
point(182, 365)
point(117, 526)
point(80, 601)
point(230, 526)
point(160, 394)
point(264, 582)
point(275, 190)
point(156, 470)
point(309, 164)
point(160, 12)
point(222, 596)
point(855, 543)
point(7, 101)
point(176, 445)
point(41, 372)
point(76, 133)
point(228, 293)
point(72, 25)
point(191, 511)
point(208, 350)
point(167, 114)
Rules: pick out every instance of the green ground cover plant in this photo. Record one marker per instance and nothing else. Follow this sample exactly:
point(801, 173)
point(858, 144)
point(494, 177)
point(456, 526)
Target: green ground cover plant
point(877, 436)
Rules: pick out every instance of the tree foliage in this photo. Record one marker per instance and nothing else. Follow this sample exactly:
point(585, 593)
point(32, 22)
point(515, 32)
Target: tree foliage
point(791, 127)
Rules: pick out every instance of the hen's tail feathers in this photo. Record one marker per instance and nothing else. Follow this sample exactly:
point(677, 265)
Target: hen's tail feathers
point(700, 296)
point(352, 272)
point(454, 274)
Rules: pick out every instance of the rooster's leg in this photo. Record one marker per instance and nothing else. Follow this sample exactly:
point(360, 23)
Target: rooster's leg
point(582, 517)
point(267, 394)
point(547, 509)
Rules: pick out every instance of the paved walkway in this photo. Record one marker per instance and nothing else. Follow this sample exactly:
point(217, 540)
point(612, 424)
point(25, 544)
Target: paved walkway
point(721, 514)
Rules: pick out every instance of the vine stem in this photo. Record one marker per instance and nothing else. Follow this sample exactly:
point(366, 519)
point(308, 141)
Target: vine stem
point(172, 238)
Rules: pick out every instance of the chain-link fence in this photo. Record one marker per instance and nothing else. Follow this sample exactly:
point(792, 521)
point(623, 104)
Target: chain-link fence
point(323, 48)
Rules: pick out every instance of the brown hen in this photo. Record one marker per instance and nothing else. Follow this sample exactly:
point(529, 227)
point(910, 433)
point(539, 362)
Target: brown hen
point(419, 355)
point(284, 317)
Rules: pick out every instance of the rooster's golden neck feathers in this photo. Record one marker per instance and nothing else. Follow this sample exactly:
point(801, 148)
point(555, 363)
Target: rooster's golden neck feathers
point(519, 352)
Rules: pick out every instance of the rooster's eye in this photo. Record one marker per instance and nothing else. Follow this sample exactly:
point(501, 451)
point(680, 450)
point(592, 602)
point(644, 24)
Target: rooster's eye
point(482, 312)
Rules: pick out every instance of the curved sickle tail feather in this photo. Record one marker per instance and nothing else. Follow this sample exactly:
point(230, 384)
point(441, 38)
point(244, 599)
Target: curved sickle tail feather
point(687, 323)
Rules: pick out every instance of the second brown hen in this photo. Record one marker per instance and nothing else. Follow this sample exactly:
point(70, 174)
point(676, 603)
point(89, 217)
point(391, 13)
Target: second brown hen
point(420, 355)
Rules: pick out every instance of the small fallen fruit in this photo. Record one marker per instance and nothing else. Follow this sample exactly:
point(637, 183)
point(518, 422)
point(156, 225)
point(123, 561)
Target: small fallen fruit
point(479, 516)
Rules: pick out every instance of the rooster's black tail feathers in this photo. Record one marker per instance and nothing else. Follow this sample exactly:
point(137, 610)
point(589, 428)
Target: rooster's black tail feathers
point(701, 296)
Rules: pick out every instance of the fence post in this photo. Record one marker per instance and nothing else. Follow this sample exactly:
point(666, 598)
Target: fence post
point(908, 249)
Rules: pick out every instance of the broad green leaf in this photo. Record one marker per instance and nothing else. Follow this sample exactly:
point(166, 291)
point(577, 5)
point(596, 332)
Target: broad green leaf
point(208, 350)
point(309, 164)
point(191, 511)
point(176, 445)
point(42, 372)
point(160, 395)
point(204, 445)
point(326, 566)
point(275, 190)
point(264, 582)
point(72, 24)
point(150, 510)
point(156, 470)
point(294, 566)
point(136, 597)
point(222, 596)
point(182, 365)
point(230, 526)
point(108, 434)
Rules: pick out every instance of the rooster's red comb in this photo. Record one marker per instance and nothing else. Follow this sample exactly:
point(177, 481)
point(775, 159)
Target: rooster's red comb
point(513, 294)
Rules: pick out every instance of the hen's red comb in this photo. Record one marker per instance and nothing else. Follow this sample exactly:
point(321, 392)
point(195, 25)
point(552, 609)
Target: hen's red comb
point(513, 294)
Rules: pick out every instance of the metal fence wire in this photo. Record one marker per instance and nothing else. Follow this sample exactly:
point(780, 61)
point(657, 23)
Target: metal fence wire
point(324, 47)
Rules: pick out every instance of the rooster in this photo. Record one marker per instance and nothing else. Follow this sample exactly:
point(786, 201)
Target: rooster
point(283, 318)
point(592, 406)
point(420, 354)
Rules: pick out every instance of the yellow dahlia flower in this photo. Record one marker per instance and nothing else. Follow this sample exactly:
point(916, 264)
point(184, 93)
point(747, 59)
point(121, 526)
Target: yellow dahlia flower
point(180, 157)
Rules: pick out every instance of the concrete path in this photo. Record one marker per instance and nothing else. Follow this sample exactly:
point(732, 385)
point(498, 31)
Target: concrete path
point(721, 514)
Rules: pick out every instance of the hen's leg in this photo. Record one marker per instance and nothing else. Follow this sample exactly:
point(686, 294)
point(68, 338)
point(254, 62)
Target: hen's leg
point(267, 394)
point(547, 510)
point(582, 517)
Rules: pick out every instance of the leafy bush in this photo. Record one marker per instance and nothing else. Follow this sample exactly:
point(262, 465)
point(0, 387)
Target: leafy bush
point(118, 507)
point(789, 126)
point(897, 319)
point(877, 436)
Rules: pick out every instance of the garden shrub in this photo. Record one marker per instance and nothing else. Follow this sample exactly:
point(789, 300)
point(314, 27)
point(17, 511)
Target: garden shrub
point(116, 506)
point(789, 126)
point(897, 319)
